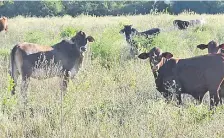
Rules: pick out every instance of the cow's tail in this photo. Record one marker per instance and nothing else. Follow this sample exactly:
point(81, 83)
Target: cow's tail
point(13, 66)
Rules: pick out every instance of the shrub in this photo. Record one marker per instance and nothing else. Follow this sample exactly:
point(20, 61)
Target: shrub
point(35, 36)
point(107, 47)
point(68, 31)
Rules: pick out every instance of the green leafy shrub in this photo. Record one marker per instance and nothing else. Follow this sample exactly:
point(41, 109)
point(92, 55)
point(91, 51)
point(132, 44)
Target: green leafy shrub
point(68, 31)
point(35, 36)
point(142, 43)
point(4, 52)
point(107, 47)
point(199, 114)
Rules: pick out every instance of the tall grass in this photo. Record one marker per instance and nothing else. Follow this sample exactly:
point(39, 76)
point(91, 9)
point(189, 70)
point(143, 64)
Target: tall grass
point(111, 96)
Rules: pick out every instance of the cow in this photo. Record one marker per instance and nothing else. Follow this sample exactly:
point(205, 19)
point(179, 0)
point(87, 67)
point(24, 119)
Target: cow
point(131, 32)
point(197, 22)
point(194, 76)
point(181, 24)
point(4, 24)
point(155, 55)
point(212, 47)
point(64, 57)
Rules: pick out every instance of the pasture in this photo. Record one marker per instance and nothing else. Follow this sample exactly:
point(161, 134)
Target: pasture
point(112, 95)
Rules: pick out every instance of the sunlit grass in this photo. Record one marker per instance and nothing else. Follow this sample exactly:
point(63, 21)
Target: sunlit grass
point(111, 96)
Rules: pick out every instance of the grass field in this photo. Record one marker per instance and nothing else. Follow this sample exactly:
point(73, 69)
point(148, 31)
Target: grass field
point(112, 95)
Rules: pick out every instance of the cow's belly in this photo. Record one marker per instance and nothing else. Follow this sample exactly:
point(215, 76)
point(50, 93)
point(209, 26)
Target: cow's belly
point(192, 80)
point(45, 73)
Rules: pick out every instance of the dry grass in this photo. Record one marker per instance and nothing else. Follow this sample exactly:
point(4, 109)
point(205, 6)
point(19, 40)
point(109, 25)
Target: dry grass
point(118, 102)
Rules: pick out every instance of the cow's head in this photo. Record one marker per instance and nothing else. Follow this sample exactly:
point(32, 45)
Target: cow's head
point(129, 32)
point(221, 48)
point(155, 55)
point(4, 18)
point(212, 47)
point(81, 40)
point(4, 23)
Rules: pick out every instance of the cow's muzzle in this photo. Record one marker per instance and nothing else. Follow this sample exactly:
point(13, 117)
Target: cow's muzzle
point(83, 48)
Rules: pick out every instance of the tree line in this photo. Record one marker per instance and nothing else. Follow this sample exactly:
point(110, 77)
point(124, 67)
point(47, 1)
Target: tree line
point(102, 8)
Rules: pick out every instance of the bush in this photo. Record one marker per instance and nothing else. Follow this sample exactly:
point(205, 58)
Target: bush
point(107, 47)
point(68, 31)
point(35, 37)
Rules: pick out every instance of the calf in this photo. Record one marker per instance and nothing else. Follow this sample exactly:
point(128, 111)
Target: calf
point(194, 76)
point(212, 47)
point(155, 55)
point(64, 56)
point(4, 24)
point(131, 32)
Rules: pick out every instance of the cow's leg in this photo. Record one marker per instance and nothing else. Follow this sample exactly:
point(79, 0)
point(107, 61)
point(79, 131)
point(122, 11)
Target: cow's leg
point(14, 77)
point(178, 90)
point(179, 100)
point(214, 98)
point(221, 91)
point(65, 81)
point(24, 87)
point(199, 100)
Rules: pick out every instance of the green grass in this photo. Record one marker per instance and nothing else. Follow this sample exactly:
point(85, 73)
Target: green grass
point(112, 95)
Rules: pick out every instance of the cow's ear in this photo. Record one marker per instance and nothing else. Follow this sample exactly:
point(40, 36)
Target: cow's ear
point(90, 39)
point(121, 31)
point(143, 56)
point(221, 46)
point(167, 55)
point(202, 46)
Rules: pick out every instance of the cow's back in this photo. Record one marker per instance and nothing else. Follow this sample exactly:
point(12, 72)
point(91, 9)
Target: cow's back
point(152, 31)
point(199, 74)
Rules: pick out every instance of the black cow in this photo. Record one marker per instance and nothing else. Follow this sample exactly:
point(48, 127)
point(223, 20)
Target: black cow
point(194, 76)
point(65, 56)
point(185, 24)
point(181, 24)
point(131, 32)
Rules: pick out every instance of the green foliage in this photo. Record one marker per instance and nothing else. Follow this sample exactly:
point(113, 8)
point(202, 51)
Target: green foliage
point(35, 37)
point(107, 47)
point(68, 31)
point(4, 52)
point(9, 102)
point(142, 43)
point(118, 102)
point(99, 8)
point(199, 114)
point(41, 37)
point(202, 28)
point(51, 8)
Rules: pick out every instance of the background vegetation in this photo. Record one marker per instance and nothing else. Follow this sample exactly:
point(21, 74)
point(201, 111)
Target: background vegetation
point(101, 8)
point(112, 95)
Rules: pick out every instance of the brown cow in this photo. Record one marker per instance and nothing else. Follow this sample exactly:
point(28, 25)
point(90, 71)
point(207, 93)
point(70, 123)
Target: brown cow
point(65, 56)
point(194, 76)
point(212, 46)
point(3, 24)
